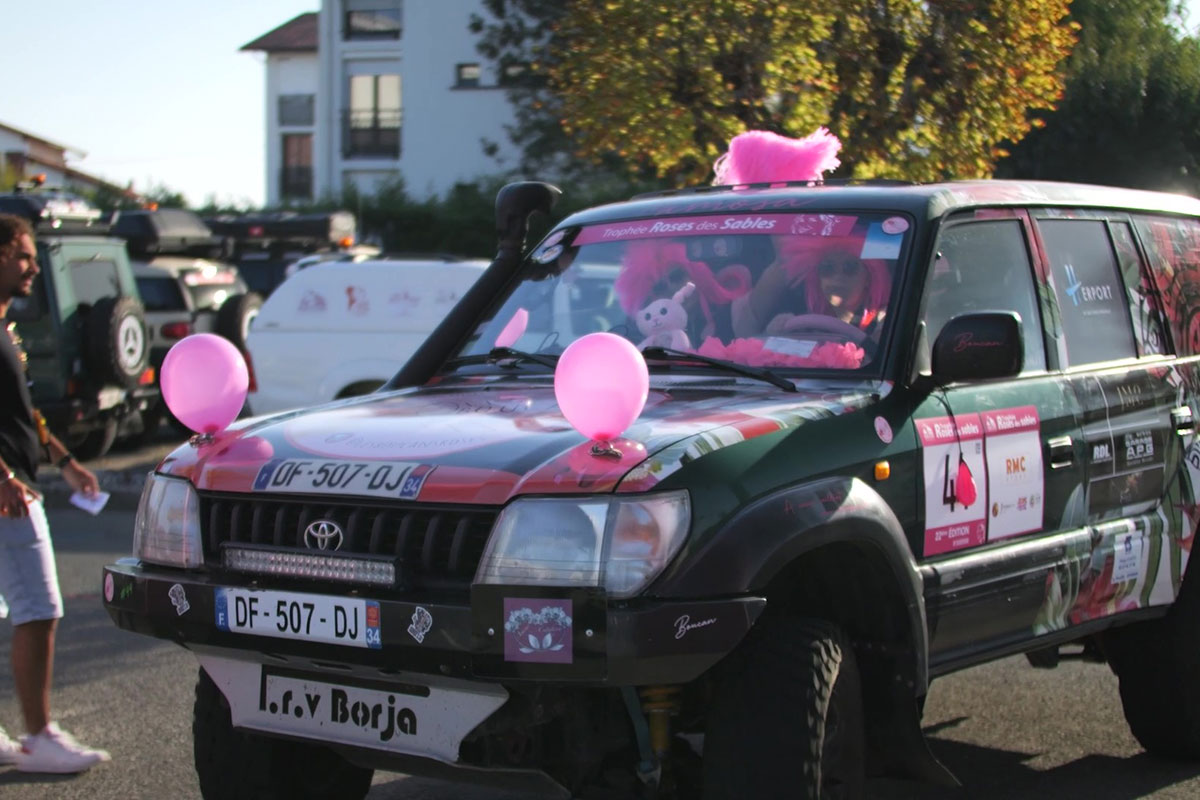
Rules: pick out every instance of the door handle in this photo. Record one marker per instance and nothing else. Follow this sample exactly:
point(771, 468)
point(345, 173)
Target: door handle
point(1182, 421)
point(1062, 452)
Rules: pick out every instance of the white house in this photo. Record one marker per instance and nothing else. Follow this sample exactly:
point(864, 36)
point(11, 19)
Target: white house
point(365, 91)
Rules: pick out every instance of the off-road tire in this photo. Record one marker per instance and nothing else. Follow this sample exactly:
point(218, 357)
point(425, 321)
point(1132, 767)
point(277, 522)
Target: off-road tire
point(234, 316)
point(786, 717)
point(117, 346)
point(1157, 663)
point(239, 765)
point(95, 443)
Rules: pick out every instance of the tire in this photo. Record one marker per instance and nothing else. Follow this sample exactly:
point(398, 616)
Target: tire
point(240, 765)
point(786, 717)
point(1156, 663)
point(95, 443)
point(117, 347)
point(235, 315)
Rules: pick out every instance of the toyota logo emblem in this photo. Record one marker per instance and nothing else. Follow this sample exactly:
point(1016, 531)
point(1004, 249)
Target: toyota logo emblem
point(323, 534)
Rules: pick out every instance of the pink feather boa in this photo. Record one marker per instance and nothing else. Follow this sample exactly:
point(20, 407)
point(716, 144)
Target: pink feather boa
point(753, 353)
point(765, 157)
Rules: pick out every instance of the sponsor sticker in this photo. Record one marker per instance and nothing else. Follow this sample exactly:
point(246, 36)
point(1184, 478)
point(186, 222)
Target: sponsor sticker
point(179, 599)
point(883, 430)
point(538, 630)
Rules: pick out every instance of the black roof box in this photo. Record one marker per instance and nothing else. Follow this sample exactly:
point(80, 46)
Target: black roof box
point(286, 228)
point(166, 231)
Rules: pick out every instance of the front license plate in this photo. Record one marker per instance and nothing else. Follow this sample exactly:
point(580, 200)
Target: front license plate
point(292, 615)
point(394, 479)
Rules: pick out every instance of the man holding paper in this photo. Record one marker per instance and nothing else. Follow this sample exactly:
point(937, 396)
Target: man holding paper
point(28, 575)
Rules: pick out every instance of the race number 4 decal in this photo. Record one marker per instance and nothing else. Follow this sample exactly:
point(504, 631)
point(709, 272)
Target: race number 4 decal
point(1000, 452)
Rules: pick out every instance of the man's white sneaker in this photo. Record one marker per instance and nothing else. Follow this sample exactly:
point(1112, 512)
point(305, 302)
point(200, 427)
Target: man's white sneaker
point(9, 750)
point(55, 750)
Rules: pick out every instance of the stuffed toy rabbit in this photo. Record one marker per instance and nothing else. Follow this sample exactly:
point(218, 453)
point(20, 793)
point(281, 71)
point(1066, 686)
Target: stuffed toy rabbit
point(664, 321)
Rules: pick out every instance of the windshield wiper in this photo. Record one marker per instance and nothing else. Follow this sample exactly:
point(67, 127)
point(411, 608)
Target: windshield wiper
point(498, 354)
point(741, 369)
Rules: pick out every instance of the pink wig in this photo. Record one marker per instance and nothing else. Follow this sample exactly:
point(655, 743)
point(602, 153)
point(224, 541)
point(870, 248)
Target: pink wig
point(649, 261)
point(765, 157)
point(801, 256)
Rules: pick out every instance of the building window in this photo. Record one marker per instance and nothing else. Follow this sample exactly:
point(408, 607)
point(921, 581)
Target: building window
point(296, 175)
point(372, 19)
point(466, 76)
point(296, 109)
point(371, 125)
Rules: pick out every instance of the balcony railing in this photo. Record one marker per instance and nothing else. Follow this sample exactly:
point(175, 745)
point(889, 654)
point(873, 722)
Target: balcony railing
point(372, 133)
point(296, 182)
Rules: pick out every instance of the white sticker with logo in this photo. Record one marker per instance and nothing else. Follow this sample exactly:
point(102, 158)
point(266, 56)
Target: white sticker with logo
point(953, 451)
point(423, 715)
point(422, 621)
point(1127, 557)
point(1012, 438)
point(399, 480)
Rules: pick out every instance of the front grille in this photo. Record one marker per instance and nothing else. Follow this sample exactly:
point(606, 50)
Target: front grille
point(439, 547)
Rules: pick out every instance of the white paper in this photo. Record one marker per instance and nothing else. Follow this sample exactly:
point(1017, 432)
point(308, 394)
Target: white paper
point(93, 505)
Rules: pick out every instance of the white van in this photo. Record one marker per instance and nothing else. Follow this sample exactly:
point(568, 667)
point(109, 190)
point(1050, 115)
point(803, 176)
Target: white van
point(340, 329)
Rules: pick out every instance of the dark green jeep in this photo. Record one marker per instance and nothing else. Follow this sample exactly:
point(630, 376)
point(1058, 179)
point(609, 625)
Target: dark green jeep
point(889, 432)
point(83, 327)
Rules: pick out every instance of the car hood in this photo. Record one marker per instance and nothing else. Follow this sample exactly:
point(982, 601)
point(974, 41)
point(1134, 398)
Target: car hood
point(488, 443)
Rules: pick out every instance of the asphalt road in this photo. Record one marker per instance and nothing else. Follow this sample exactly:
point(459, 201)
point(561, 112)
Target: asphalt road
point(1007, 730)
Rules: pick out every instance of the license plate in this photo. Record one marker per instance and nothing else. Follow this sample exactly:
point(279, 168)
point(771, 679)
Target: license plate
point(292, 615)
point(424, 715)
point(399, 480)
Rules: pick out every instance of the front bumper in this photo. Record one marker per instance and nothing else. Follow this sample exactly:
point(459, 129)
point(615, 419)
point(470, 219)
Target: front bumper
point(506, 635)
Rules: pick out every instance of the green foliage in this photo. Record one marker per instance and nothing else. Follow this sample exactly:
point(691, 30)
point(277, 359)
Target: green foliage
point(914, 89)
point(1130, 115)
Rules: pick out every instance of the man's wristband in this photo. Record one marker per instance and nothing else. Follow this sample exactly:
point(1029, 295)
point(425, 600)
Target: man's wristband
point(62, 462)
point(8, 476)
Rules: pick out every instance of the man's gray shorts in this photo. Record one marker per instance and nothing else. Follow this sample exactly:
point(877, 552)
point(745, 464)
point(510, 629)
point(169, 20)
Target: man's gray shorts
point(28, 576)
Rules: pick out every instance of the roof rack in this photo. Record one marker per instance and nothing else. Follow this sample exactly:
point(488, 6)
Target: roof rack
point(776, 185)
point(55, 212)
point(284, 228)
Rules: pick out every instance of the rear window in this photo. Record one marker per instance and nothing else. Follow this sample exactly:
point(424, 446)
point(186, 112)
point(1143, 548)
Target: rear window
point(161, 294)
point(93, 280)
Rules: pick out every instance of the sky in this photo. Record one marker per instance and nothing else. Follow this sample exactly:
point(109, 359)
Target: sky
point(155, 92)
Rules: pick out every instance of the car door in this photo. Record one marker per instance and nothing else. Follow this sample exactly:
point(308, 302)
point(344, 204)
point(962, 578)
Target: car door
point(1133, 412)
point(1002, 459)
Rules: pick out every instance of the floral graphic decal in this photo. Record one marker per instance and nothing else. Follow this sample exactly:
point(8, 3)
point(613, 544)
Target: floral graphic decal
point(542, 636)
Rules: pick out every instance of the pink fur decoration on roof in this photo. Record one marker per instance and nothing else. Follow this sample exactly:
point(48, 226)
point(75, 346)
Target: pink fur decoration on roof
point(765, 157)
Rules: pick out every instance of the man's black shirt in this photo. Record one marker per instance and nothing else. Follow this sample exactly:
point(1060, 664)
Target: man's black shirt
point(18, 435)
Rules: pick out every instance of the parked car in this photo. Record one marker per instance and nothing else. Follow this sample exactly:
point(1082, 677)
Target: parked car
point(341, 329)
point(263, 244)
point(353, 254)
point(83, 327)
point(987, 447)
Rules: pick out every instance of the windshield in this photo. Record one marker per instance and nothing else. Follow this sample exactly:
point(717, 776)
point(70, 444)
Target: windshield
point(786, 291)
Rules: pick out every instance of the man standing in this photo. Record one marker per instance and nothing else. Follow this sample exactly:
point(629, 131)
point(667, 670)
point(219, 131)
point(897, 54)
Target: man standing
point(28, 575)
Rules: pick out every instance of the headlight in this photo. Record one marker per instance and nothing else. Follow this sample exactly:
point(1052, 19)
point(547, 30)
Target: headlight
point(619, 543)
point(167, 527)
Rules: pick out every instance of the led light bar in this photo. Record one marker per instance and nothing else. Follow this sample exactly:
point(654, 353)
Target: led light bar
point(314, 566)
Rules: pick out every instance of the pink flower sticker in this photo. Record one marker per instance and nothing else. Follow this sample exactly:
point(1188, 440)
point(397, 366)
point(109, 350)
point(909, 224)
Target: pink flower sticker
point(894, 225)
point(883, 430)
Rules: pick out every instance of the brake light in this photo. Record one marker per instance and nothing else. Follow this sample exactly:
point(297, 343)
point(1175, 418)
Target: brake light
point(147, 377)
point(253, 385)
point(176, 330)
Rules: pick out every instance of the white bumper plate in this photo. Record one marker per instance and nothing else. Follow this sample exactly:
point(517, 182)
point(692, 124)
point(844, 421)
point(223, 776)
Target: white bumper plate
point(421, 715)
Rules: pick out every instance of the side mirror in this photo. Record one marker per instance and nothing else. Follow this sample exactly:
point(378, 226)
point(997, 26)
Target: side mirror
point(978, 346)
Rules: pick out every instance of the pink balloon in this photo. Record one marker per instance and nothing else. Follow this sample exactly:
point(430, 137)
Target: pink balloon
point(601, 384)
point(204, 382)
point(513, 329)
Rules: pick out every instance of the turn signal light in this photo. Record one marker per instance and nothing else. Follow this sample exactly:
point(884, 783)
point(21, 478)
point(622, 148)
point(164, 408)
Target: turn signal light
point(883, 470)
point(346, 242)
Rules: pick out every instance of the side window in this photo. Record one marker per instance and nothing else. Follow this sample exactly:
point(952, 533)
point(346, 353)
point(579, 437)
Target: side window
point(985, 266)
point(161, 294)
point(1172, 247)
point(1143, 302)
point(1088, 290)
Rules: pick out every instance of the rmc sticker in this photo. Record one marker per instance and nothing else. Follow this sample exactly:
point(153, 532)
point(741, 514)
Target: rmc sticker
point(1015, 479)
point(950, 525)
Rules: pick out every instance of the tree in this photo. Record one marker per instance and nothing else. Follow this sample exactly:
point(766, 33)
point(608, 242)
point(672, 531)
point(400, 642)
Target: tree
point(914, 89)
point(1130, 114)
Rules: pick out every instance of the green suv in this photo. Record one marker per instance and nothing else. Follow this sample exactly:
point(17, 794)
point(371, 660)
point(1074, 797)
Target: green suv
point(83, 327)
point(886, 432)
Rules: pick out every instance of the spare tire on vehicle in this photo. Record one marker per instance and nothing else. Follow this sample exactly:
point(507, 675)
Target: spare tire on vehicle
point(117, 347)
point(235, 315)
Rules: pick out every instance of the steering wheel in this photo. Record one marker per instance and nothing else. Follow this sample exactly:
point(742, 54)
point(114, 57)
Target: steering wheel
point(832, 327)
